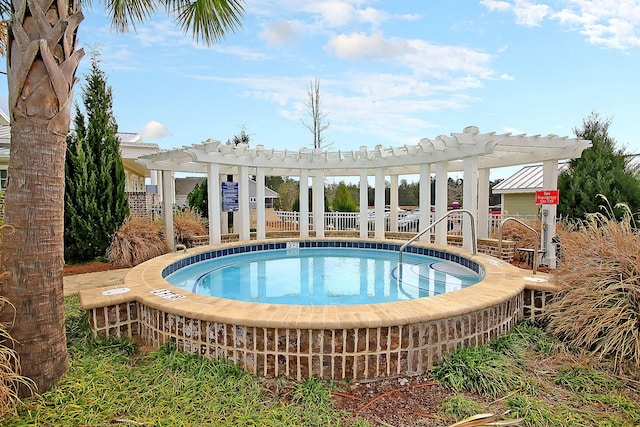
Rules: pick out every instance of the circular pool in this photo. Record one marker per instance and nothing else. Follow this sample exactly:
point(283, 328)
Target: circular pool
point(356, 341)
point(323, 276)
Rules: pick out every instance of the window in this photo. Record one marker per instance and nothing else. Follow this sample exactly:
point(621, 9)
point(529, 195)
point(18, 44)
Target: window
point(3, 179)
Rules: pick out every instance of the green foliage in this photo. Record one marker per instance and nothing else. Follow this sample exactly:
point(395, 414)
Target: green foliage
point(107, 384)
point(477, 369)
point(342, 200)
point(95, 198)
point(296, 203)
point(459, 407)
point(535, 412)
point(600, 170)
point(198, 198)
point(583, 379)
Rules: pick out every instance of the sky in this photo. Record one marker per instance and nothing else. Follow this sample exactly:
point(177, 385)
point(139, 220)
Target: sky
point(390, 72)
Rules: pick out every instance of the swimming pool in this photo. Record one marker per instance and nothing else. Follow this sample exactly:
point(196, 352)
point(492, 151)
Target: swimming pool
point(355, 341)
point(323, 276)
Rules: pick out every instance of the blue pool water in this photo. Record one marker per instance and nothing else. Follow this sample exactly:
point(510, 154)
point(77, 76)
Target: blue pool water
point(323, 276)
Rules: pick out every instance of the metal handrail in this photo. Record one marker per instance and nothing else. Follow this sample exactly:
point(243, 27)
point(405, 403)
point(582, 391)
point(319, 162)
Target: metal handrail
point(536, 245)
point(474, 243)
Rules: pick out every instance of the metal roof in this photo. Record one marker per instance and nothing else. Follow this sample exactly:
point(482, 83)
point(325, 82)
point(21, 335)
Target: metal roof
point(529, 178)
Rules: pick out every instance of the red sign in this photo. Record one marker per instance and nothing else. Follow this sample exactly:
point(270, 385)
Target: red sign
point(547, 197)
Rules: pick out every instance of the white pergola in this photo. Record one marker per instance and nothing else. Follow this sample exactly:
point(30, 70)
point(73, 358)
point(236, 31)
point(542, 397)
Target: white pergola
point(470, 152)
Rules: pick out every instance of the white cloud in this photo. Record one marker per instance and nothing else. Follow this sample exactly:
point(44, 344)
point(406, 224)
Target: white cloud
point(282, 32)
point(422, 57)
point(610, 23)
point(155, 130)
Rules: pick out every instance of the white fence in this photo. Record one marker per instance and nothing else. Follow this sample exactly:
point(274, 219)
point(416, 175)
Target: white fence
point(346, 221)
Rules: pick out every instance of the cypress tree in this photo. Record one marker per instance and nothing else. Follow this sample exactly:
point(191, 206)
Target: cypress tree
point(95, 200)
point(601, 170)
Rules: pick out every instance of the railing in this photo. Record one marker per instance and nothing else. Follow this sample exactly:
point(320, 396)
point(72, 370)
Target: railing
point(536, 245)
point(474, 242)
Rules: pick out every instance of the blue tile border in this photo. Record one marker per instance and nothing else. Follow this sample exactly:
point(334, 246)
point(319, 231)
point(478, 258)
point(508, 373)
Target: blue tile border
point(172, 268)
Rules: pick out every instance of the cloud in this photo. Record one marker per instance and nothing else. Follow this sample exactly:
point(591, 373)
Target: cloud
point(155, 130)
point(611, 23)
point(527, 14)
point(282, 32)
point(423, 58)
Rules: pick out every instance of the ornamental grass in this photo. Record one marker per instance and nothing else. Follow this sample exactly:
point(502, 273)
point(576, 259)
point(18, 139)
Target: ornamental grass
point(187, 224)
point(137, 240)
point(597, 307)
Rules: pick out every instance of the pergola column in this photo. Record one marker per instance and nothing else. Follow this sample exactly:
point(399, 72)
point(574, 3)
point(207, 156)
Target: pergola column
point(318, 195)
point(243, 204)
point(425, 201)
point(549, 182)
point(303, 222)
point(167, 208)
point(483, 203)
point(393, 202)
point(379, 204)
point(364, 204)
point(213, 190)
point(442, 177)
point(261, 216)
point(469, 198)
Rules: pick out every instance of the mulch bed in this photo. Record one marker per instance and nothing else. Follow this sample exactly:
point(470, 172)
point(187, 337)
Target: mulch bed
point(90, 267)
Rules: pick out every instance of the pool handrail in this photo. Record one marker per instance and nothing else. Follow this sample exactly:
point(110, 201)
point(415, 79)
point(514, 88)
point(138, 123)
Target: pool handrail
point(474, 243)
point(536, 244)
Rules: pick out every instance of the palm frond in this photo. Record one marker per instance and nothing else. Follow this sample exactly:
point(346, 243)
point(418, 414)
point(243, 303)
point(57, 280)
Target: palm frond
point(208, 20)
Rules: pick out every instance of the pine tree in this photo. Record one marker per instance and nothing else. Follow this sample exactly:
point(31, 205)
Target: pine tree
point(95, 199)
point(602, 169)
point(342, 200)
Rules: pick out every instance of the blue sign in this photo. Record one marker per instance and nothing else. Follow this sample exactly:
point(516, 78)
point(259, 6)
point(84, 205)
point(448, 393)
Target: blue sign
point(229, 196)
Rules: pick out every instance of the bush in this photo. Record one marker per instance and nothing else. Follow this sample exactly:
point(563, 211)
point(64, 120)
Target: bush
point(597, 307)
point(188, 223)
point(137, 240)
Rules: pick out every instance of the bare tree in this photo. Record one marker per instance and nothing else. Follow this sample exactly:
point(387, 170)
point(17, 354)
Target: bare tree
point(317, 124)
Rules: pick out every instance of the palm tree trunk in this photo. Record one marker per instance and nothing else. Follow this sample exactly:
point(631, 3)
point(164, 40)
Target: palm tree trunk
point(34, 253)
point(42, 61)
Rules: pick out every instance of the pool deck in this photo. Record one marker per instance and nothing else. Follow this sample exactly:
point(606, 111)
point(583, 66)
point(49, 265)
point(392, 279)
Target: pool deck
point(101, 279)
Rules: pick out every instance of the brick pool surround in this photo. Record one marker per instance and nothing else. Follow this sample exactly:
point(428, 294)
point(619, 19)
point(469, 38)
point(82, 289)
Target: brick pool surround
point(501, 283)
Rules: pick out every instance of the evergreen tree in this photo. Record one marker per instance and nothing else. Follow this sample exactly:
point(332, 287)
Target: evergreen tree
point(342, 200)
point(198, 198)
point(95, 200)
point(602, 170)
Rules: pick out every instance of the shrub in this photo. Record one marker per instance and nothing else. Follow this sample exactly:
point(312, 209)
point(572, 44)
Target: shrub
point(597, 307)
point(137, 240)
point(188, 223)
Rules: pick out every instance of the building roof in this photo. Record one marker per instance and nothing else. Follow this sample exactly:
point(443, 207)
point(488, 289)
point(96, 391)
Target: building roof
point(526, 180)
point(529, 178)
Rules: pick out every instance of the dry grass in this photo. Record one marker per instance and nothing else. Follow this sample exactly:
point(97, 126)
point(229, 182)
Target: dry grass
point(10, 379)
point(137, 240)
point(598, 306)
point(188, 223)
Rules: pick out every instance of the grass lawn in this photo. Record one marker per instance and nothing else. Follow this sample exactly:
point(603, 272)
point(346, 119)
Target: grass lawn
point(113, 382)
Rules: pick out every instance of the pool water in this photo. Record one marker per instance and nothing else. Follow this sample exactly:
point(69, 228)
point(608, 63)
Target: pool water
point(323, 276)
